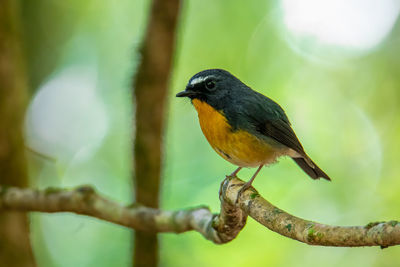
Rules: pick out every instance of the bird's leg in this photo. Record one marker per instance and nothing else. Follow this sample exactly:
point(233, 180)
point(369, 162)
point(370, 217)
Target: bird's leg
point(248, 184)
point(233, 174)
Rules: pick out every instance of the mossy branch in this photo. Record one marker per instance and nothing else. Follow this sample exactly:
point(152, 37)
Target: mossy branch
point(220, 228)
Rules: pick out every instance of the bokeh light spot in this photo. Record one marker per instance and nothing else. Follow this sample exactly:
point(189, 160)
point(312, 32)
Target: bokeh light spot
point(356, 25)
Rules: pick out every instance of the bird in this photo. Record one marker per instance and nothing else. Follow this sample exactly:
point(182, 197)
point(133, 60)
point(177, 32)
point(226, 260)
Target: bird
point(243, 126)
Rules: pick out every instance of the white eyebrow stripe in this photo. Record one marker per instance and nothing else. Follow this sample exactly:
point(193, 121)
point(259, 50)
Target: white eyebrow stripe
point(199, 79)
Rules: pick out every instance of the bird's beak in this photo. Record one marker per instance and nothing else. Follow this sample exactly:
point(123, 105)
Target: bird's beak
point(185, 93)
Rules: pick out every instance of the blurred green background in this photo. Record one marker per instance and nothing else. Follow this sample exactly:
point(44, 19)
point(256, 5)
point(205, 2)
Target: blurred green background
point(334, 66)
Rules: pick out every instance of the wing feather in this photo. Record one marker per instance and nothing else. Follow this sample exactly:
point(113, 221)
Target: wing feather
point(265, 118)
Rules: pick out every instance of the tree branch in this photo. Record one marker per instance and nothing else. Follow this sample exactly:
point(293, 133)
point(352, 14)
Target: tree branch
point(15, 247)
point(220, 228)
point(150, 93)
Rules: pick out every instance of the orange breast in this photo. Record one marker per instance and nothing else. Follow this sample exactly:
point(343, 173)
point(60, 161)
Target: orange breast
point(238, 147)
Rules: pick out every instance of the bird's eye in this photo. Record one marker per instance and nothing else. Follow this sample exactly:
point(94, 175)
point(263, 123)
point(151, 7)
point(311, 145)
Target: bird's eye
point(210, 84)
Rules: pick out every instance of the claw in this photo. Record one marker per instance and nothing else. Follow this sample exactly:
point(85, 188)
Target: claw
point(244, 188)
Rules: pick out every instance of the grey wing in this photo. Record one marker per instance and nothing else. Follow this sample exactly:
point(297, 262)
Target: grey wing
point(282, 132)
point(268, 119)
point(264, 118)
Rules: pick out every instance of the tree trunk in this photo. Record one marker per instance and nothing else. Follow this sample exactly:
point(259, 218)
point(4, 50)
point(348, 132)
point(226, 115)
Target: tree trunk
point(15, 249)
point(150, 88)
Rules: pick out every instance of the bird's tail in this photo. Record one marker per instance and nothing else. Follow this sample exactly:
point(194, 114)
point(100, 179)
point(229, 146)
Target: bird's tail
point(311, 168)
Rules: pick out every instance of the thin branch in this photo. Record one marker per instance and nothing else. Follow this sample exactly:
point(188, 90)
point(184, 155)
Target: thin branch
point(382, 234)
point(219, 228)
point(85, 201)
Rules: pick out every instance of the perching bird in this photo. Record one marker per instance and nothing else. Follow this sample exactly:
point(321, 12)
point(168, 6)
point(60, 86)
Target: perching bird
point(243, 126)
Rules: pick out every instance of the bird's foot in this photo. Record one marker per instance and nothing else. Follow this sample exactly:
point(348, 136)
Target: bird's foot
point(247, 185)
point(239, 194)
point(221, 186)
point(228, 178)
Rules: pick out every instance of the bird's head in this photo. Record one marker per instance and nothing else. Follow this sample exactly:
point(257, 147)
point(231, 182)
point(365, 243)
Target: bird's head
point(211, 86)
